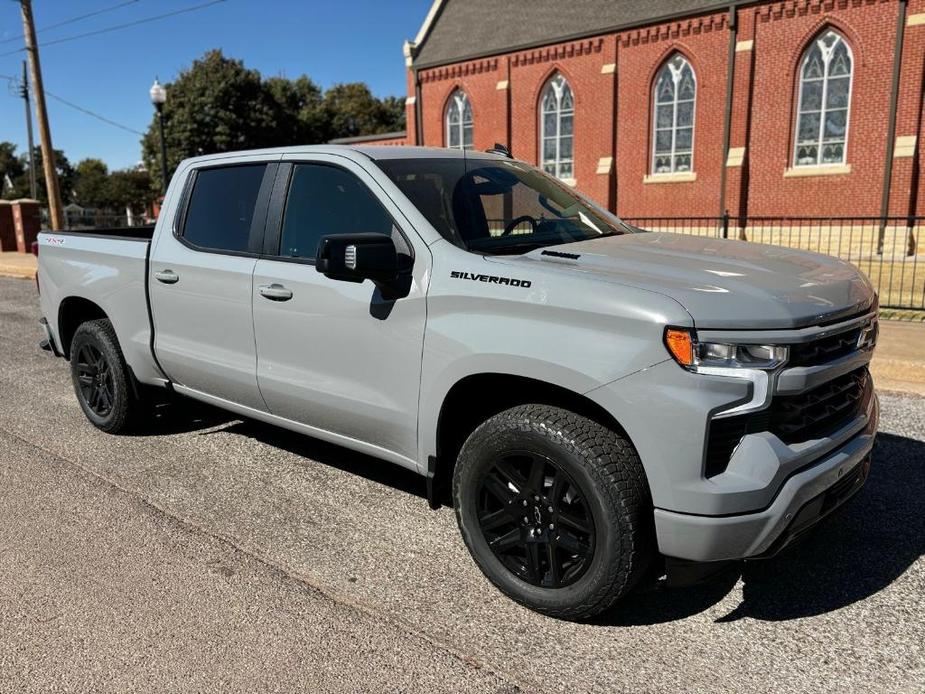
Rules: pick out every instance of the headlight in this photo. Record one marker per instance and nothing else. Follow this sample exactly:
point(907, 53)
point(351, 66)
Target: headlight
point(682, 344)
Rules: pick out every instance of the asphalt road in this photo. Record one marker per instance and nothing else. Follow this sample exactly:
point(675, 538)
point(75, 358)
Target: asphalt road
point(215, 554)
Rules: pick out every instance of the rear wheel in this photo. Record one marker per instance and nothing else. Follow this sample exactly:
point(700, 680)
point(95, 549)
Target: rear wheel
point(101, 378)
point(554, 509)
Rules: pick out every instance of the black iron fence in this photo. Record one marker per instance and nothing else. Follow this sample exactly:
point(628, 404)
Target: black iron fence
point(889, 250)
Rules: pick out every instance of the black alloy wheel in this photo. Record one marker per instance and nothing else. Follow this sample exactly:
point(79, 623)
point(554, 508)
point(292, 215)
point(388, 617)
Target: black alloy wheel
point(555, 509)
point(94, 377)
point(536, 520)
point(103, 382)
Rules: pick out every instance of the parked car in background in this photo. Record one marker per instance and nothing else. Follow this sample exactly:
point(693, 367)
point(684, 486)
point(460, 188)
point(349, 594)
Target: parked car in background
point(601, 402)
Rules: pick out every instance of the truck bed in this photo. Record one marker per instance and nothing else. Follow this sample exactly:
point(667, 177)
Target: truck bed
point(107, 267)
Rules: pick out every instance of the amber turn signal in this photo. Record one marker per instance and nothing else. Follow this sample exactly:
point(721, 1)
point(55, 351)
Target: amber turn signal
point(681, 346)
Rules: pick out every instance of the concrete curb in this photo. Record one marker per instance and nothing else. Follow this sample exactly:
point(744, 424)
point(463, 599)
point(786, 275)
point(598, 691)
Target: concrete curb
point(17, 272)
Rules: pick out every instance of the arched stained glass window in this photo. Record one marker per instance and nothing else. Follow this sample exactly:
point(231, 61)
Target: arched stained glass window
point(459, 121)
point(557, 113)
point(675, 96)
point(824, 102)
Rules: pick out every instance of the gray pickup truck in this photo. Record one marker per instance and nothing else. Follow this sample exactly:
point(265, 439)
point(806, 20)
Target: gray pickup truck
point(600, 403)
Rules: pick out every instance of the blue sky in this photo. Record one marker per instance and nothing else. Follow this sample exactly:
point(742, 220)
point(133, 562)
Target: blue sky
point(329, 40)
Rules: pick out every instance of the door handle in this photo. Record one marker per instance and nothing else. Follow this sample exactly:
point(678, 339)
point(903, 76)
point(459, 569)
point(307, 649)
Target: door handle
point(167, 276)
point(275, 292)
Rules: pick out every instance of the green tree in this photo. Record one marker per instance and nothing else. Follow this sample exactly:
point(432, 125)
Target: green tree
point(11, 170)
point(352, 109)
point(300, 109)
point(91, 184)
point(66, 177)
point(217, 105)
point(130, 188)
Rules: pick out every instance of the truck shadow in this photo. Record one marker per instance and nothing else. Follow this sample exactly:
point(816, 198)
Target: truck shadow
point(332, 455)
point(849, 557)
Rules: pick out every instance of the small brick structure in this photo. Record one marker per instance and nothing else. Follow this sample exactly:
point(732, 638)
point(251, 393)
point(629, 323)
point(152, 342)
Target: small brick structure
point(7, 232)
point(27, 222)
point(612, 68)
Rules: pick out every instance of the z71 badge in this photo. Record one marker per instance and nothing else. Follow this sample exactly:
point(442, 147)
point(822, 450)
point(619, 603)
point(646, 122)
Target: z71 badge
point(491, 279)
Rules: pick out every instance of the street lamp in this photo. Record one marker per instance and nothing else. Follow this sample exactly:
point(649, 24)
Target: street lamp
point(158, 97)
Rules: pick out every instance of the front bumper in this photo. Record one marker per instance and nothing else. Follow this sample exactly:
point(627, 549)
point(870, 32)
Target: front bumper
point(805, 498)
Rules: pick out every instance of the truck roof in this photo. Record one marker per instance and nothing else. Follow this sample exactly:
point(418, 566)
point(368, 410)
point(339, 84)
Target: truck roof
point(371, 151)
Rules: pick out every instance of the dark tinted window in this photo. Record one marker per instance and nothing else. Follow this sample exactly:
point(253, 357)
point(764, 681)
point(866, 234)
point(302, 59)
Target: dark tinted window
point(221, 207)
point(498, 206)
point(326, 200)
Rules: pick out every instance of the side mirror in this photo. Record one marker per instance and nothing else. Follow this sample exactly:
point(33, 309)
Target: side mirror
point(358, 257)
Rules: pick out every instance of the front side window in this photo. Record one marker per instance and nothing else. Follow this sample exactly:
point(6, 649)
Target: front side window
point(493, 207)
point(459, 121)
point(673, 132)
point(221, 207)
point(326, 200)
point(825, 96)
point(557, 112)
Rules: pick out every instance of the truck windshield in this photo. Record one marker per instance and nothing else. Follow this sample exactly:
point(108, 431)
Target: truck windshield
point(493, 206)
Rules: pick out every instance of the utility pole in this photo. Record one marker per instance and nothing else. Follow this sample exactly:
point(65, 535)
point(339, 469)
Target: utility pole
point(55, 208)
point(24, 93)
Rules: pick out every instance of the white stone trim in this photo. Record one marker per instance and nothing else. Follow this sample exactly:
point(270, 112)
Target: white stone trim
point(428, 22)
point(502, 85)
point(916, 20)
point(821, 170)
point(604, 164)
point(744, 46)
point(411, 100)
point(676, 177)
point(905, 146)
point(608, 69)
point(735, 157)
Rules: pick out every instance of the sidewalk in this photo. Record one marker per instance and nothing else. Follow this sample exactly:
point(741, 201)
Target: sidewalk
point(899, 364)
point(13, 264)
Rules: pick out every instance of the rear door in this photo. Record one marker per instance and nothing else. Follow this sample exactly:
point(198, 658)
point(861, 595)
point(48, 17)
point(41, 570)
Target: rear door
point(331, 354)
point(201, 281)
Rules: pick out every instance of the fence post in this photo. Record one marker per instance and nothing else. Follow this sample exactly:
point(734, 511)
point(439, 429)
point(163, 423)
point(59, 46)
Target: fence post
point(726, 224)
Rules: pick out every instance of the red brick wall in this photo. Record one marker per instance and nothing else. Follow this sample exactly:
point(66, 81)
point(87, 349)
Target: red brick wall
point(763, 109)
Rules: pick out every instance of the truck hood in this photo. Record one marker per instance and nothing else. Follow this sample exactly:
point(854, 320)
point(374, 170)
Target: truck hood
point(723, 283)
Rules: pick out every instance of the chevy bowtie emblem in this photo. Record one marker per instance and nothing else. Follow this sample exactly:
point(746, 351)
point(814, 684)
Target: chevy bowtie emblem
point(868, 337)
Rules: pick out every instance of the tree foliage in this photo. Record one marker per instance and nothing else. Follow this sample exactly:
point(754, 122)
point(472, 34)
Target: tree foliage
point(17, 168)
point(219, 105)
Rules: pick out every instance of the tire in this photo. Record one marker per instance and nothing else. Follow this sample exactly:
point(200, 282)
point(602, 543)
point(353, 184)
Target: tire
point(102, 381)
point(526, 481)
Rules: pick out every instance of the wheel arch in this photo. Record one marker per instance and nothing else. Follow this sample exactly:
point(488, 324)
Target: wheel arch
point(477, 397)
point(72, 312)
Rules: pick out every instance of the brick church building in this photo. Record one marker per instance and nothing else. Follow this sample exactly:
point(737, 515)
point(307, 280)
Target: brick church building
point(685, 107)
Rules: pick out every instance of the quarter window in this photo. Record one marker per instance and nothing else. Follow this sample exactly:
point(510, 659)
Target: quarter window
point(824, 101)
point(675, 99)
point(557, 113)
point(459, 121)
point(221, 207)
point(326, 200)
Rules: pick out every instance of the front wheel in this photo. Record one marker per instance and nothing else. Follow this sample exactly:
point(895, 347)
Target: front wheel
point(555, 510)
point(101, 377)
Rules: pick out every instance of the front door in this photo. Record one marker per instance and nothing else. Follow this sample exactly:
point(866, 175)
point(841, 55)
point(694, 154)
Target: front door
point(331, 354)
point(201, 283)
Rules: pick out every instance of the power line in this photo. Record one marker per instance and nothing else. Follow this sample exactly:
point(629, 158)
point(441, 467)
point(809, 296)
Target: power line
point(72, 20)
point(93, 114)
point(117, 27)
point(86, 111)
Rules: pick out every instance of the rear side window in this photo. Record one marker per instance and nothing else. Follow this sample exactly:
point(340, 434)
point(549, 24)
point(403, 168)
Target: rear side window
point(326, 200)
point(221, 207)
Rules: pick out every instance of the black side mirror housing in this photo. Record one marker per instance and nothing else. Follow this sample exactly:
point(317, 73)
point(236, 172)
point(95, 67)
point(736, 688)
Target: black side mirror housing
point(358, 257)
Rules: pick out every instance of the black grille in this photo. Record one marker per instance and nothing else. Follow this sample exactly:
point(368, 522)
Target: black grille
point(824, 349)
point(792, 418)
